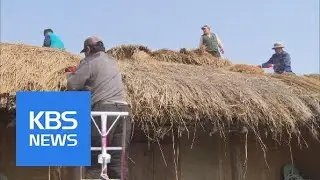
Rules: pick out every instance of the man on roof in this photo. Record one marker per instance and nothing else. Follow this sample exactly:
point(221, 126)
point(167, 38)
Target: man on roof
point(280, 60)
point(211, 42)
point(52, 40)
point(98, 72)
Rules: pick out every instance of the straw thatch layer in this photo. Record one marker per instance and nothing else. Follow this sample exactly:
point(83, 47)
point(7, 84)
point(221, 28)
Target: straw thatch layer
point(184, 56)
point(25, 67)
point(243, 68)
point(127, 51)
point(162, 92)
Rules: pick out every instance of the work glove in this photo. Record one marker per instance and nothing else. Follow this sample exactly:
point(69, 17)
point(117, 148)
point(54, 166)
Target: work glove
point(70, 69)
point(268, 66)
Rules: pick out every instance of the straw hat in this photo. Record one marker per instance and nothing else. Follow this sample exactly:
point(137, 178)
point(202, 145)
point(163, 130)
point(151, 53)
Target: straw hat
point(278, 45)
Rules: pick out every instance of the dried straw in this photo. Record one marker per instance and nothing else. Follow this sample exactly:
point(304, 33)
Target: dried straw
point(194, 57)
point(25, 67)
point(243, 68)
point(307, 82)
point(314, 76)
point(177, 94)
point(184, 56)
point(126, 51)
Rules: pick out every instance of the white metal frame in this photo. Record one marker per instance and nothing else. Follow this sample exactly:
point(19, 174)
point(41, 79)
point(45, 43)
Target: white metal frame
point(104, 133)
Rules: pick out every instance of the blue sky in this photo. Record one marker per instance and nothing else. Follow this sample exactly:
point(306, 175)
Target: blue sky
point(248, 28)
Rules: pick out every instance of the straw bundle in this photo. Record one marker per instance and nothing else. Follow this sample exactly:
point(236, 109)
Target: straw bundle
point(126, 51)
point(184, 56)
point(29, 68)
point(193, 57)
point(178, 94)
point(142, 56)
point(243, 68)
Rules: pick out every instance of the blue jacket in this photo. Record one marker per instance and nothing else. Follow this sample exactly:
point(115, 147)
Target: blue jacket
point(53, 41)
point(281, 62)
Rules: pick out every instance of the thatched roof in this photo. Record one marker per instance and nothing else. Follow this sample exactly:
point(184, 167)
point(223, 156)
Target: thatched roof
point(167, 87)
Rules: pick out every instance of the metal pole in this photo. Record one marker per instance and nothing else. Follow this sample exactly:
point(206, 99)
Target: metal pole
point(49, 174)
point(109, 113)
point(104, 142)
point(123, 154)
point(105, 158)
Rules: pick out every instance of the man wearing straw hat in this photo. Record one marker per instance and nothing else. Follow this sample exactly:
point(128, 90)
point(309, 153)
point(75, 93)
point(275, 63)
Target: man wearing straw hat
point(211, 42)
point(98, 72)
point(280, 60)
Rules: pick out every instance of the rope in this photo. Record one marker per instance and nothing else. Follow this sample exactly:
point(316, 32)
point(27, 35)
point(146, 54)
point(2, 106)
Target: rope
point(104, 175)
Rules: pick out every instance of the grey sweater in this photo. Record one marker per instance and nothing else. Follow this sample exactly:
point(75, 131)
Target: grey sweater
point(99, 74)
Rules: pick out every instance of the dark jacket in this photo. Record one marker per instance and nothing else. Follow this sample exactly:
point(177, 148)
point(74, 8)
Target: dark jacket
point(281, 62)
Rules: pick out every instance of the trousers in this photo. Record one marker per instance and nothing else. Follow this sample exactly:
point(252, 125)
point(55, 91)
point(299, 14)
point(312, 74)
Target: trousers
point(118, 167)
point(215, 53)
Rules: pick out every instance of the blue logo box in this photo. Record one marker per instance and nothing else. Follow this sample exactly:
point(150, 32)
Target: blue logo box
point(53, 128)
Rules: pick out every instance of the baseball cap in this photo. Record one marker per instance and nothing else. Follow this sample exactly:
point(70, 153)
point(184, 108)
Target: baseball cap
point(205, 26)
point(90, 41)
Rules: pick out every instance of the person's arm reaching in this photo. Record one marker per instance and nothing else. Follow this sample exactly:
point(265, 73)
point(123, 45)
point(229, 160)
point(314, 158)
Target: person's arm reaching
point(76, 80)
point(287, 63)
point(269, 63)
point(220, 44)
point(47, 41)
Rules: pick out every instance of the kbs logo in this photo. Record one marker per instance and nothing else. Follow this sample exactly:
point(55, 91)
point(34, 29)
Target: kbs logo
point(53, 117)
point(53, 129)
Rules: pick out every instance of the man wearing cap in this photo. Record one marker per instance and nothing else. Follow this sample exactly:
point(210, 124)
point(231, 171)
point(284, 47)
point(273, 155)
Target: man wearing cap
point(211, 42)
point(280, 60)
point(98, 72)
point(52, 40)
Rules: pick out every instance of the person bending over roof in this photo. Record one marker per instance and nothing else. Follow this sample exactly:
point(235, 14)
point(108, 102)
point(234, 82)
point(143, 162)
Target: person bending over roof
point(211, 42)
point(98, 72)
point(280, 60)
point(52, 40)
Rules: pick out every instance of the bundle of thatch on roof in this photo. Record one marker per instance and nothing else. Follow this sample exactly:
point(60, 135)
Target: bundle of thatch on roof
point(29, 68)
point(184, 56)
point(127, 51)
point(176, 94)
point(243, 68)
